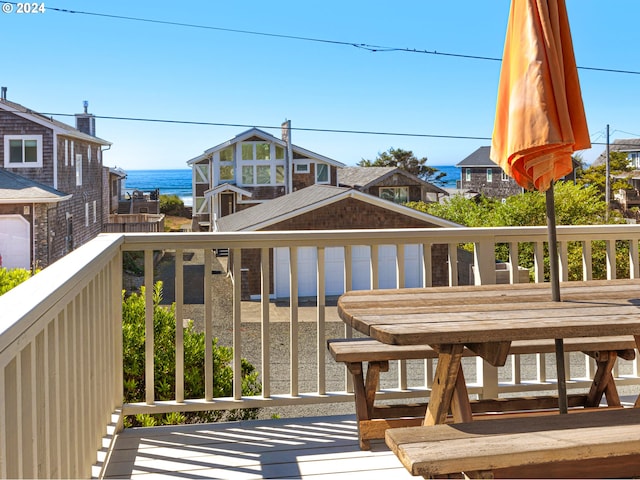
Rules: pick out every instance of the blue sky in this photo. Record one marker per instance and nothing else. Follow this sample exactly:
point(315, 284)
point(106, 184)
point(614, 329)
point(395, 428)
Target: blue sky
point(53, 61)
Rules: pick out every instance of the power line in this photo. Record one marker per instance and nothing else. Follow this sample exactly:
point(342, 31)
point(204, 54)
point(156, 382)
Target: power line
point(303, 129)
point(363, 46)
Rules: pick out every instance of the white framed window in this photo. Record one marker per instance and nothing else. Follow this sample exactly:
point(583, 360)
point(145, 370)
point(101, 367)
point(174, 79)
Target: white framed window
point(322, 173)
point(202, 173)
point(505, 177)
point(395, 194)
point(99, 153)
point(23, 151)
point(489, 175)
point(86, 214)
point(467, 174)
point(72, 156)
point(302, 167)
point(89, 153)
point(78, 169)
point(66, 152)
point(261, 163)
point(95, 211)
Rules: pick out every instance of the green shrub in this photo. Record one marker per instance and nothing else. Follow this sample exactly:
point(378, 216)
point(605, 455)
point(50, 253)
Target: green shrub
point(11, 277)
point(133, 318)
point(172, 205)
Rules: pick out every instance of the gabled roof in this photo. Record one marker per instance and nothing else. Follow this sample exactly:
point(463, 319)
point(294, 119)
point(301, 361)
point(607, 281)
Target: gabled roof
point(309, 199)
point(256, 132)
point(365, 177)
point(17, 189)
point(227, 187)
point(479, 158)
point(619, 145)
point(48, 122)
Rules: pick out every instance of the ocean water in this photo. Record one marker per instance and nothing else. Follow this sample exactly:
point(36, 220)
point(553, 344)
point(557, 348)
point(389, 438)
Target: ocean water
point(178, 182)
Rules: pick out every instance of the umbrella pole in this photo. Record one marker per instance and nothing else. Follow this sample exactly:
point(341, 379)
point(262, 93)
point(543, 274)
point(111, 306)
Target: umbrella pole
point(554, 276)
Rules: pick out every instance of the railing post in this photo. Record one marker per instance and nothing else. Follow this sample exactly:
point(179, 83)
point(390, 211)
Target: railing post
point(487, 375)
point(484, 258)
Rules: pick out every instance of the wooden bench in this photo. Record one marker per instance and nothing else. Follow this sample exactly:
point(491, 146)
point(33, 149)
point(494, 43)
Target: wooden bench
point(373, 419)
point(598, 443)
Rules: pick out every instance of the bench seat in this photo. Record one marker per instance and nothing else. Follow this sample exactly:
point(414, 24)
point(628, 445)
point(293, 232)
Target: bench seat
point(541, 446)
point(374, 420)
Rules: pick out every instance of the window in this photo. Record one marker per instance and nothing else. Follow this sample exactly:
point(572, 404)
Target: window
point(226, 173)
point(22, 151)
point(489, 175)
point(72, 157)
point(78, 169)
point(262, 163)
point(86, 214)
point(226, 155)
point(226, 170)
point(467, 174)
point(95, 212)
point(395, 194)
point(322, 173)
point(89, 153)
point(302, 168)
point(66, 152)
point(505, 177)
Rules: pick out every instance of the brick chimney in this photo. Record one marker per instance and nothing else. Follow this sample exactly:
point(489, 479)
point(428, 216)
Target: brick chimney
point(86, 122)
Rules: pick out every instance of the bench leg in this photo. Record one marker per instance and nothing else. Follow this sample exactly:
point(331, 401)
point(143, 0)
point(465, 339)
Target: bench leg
point(444, 383)
point(603, 383)
point(365, 393)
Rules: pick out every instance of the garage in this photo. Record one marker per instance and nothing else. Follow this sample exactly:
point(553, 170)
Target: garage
point(15, 242)
point(334, 269)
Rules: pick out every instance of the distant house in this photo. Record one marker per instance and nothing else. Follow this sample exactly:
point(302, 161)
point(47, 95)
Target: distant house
point(390, 183)
point(628, 198)
point(478, 173)
point(321, 207)
point(52, 186)
point(251, 168)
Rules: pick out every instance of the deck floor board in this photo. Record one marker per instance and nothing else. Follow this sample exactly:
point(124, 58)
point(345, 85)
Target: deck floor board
point(302, 448)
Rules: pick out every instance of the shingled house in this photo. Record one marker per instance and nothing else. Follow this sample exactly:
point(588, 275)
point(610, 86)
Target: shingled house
point(480, 174)
point(252, 168)
point(390, 183)
point(327, 207)
point(52, 185)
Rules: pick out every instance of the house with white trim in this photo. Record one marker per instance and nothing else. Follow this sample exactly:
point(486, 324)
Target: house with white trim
point(251, 168)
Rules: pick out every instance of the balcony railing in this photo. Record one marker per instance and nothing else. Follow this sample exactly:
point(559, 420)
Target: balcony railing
point(61, 333)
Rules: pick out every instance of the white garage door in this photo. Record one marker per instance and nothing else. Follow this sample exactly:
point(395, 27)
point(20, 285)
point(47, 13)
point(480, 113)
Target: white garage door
point(334, 269)
point(15, 242)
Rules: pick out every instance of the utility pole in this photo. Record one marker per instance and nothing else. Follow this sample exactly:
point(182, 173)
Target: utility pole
point(607, 186)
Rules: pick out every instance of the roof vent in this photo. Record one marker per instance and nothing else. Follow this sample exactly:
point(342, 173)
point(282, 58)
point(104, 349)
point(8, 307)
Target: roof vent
point(3, 93)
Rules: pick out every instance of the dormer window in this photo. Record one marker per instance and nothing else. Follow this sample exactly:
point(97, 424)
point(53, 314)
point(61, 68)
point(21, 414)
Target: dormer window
point(322, 173)
point(22, 151)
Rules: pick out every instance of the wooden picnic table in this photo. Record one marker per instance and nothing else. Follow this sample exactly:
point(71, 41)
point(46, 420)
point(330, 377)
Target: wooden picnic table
point(486, 319)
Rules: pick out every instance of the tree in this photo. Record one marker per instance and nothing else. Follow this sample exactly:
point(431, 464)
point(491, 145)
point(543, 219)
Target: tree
point(407, 161)
point(575, 205)
point(596, 174)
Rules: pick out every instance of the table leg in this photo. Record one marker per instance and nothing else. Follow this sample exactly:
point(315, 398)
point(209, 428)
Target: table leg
point(460, 405)
point(603, 382)
point(444, 383)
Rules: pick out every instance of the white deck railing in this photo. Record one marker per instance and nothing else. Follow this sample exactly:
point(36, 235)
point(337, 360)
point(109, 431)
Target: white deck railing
point(61, 344)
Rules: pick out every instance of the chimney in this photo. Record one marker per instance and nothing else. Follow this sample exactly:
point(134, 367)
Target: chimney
point(86, 122)
point(286, 137)
point(3, 93)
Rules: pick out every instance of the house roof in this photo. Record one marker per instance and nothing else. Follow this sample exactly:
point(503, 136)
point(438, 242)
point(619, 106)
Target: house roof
point(619, 145)
point(479, 158)
point(48, 122)
point(227, 187)
point(256, 132)
point(365, 177)
point(17, 189)
point(309, 199)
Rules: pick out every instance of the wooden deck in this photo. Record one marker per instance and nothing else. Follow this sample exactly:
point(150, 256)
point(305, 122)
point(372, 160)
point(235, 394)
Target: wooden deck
point(302, 448)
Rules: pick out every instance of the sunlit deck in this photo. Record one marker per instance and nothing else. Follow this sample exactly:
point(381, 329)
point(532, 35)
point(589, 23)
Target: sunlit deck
point(318, 448)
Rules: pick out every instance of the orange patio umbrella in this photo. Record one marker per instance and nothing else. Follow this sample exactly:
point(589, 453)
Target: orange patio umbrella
point(540, 119)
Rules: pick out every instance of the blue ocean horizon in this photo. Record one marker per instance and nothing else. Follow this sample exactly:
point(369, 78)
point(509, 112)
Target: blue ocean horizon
point(178, 181)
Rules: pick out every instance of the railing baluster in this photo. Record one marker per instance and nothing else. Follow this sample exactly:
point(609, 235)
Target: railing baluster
point(587, 263)
point(634, 262)
point(452, 257)
point(320, 324)
point(611, 259)
point(179, 297)
point(265, 275)
point(375, 267)
point(427, 264)
point(563, 263)
point(293, 319)
point(237, 323)
point(514, 266)
point(538, 261)
point(148, 328)
point(208, 324)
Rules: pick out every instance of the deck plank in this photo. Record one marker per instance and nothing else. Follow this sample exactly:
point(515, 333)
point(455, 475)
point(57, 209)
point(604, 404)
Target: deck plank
point(315, 447)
